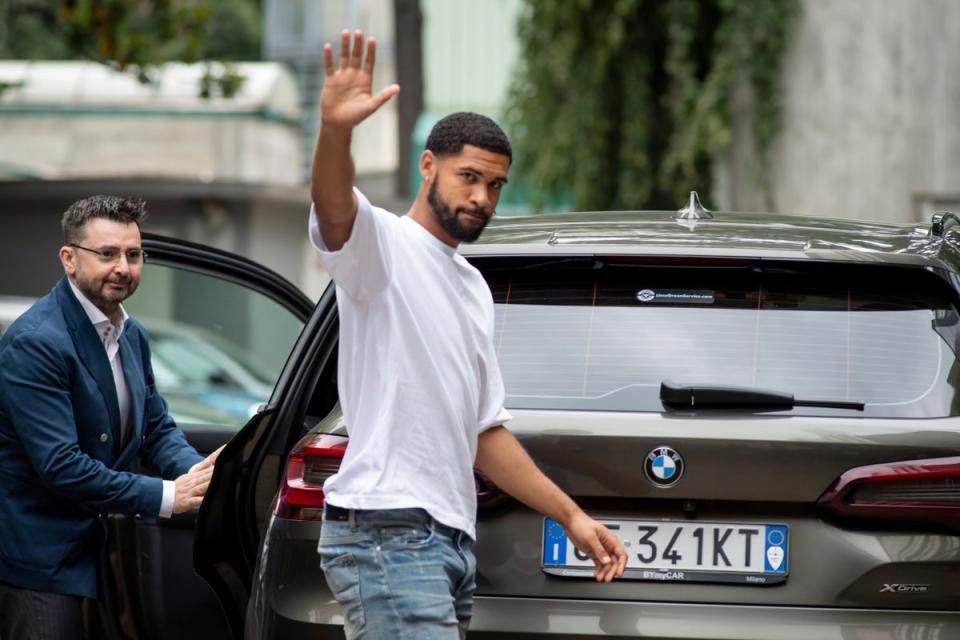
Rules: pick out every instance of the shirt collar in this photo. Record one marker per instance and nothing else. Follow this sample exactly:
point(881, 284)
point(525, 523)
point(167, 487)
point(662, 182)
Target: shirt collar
point(95, 315)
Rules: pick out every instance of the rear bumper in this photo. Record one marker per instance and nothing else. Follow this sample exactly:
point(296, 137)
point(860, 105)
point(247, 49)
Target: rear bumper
point(532, 618)
point(290, 599)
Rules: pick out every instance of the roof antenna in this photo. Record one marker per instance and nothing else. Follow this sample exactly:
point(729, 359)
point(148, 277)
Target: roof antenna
point(694, 210)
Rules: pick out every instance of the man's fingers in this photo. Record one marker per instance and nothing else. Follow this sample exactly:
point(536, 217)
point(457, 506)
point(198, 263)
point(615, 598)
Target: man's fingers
point(617, 552)
point(619, 555)
point(328, 59)
point(385, 95)
point(199, 476)
point(211, 459)
point(197, 486)
point(613, 551)
point(344, 49)
point(203, 475)
point(603, 574)
point(600, 555)
point(371, 56)
point(621, 562)
point(356, 55)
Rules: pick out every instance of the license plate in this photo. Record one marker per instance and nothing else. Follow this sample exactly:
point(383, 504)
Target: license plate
point(681, 551)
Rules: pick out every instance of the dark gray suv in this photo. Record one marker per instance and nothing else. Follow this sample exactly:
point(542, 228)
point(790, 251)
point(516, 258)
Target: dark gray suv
point(766, 408)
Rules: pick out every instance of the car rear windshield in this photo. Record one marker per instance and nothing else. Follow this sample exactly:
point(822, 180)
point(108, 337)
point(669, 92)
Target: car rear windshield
point(602, 334)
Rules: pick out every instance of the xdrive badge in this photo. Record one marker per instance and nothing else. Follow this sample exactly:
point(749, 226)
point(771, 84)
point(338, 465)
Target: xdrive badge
point(663, 467)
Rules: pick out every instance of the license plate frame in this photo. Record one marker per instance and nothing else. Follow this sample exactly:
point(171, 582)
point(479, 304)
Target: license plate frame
point(646, 559)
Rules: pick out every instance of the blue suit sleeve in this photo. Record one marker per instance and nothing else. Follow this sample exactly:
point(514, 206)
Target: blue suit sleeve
point(35, 389)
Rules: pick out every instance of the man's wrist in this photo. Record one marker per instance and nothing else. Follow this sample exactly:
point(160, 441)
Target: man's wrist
point(568, 512)
point(333, 131)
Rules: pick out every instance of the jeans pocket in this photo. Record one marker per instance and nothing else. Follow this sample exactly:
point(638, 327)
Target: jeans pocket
point(335, 533)
point(405, 536)
point(343, 578)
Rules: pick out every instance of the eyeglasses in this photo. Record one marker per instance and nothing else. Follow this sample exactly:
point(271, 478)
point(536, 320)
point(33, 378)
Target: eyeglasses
point(112, 256)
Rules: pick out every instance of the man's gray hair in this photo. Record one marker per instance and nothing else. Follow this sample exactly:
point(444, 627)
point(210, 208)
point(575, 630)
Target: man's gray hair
point(110, 207)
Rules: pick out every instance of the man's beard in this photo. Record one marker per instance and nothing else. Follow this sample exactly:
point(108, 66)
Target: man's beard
point(109, 298)
point(449, 219)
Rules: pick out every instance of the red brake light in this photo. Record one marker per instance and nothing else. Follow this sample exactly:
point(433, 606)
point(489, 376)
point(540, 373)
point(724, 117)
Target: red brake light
point(316, 458)
point(925, 491)
point(310, 463)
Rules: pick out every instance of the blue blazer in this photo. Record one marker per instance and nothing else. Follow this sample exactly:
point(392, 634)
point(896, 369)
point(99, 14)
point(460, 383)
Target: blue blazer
point(61, 460)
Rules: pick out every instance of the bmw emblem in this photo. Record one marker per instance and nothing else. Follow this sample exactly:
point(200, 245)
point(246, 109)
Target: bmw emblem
point(663, 467)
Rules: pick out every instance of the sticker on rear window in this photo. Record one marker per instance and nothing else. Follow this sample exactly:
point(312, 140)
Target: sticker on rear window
point(676, 296)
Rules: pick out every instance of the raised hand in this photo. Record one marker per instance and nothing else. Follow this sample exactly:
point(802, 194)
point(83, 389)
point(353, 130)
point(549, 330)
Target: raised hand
point(347, 98)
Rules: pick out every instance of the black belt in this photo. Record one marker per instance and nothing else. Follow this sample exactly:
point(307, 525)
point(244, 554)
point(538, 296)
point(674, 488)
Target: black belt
point(333, 512)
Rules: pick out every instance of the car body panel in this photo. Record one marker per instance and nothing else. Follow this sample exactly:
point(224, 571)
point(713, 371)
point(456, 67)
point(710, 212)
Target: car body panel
point(297, 599)
point(740, 468)
point(782, 465)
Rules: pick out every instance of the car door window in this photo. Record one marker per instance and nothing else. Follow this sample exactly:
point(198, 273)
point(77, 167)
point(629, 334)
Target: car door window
point(217, 346)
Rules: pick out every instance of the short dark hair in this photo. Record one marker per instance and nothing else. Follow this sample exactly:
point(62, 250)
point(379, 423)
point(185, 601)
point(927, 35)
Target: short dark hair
point(110, 207)
point(457, 129)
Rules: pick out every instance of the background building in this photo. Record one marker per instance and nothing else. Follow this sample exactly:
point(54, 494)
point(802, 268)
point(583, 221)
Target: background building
point(871, 93)
point(871, 115)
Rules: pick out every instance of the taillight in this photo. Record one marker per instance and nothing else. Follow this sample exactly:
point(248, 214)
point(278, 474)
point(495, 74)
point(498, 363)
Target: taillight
point(316, 458)
point(926, 491)
point(310, 463)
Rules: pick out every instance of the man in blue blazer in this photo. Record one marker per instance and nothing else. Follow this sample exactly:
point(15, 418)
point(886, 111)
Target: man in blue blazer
point(77, 404)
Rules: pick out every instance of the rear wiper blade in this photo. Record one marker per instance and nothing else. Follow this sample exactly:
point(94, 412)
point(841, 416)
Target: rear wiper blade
point(679, 396)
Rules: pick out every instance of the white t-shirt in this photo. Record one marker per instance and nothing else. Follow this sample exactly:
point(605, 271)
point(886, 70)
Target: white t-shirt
point(418, 373)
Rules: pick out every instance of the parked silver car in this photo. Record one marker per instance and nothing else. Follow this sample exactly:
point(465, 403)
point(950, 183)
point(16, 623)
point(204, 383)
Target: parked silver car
point(765, 407)
point(205, 378)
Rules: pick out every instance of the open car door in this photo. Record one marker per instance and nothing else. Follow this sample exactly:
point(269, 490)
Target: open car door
point(247, 475)
point(221, 328)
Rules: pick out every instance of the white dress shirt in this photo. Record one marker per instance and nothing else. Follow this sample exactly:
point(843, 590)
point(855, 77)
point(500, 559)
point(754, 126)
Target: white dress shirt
point(109, 335)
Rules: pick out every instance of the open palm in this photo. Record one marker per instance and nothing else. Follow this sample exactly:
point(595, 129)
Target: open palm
point(347, 98)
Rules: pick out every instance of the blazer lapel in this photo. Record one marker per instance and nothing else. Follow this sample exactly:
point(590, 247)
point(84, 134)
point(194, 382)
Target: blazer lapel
point(91, 352)
point(132, 361)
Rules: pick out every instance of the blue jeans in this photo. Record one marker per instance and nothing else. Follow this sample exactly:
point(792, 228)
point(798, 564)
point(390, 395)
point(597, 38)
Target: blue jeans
point(399, 574)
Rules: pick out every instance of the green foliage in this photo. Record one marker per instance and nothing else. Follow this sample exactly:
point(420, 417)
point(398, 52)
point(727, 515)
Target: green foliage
point(221, 80)
point(130, 34)
point(624, 103)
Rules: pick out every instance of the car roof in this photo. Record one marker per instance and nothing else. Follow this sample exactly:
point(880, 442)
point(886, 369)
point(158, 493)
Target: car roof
point(761, 235)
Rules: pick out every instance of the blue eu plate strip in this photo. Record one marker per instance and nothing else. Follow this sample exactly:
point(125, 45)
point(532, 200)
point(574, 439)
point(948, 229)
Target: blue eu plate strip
point(554, 544)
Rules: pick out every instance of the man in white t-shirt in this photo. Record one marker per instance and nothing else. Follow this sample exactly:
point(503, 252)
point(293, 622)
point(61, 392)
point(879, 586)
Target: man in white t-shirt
point(419, 381)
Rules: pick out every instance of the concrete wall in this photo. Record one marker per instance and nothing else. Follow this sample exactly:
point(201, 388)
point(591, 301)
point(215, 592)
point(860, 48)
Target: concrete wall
point(65, 120)
point(871, 115)
point(224, 172)
point(201, 147)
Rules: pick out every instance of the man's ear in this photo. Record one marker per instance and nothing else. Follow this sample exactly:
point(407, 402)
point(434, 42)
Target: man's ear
point(428, 166)
point(68, 259)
